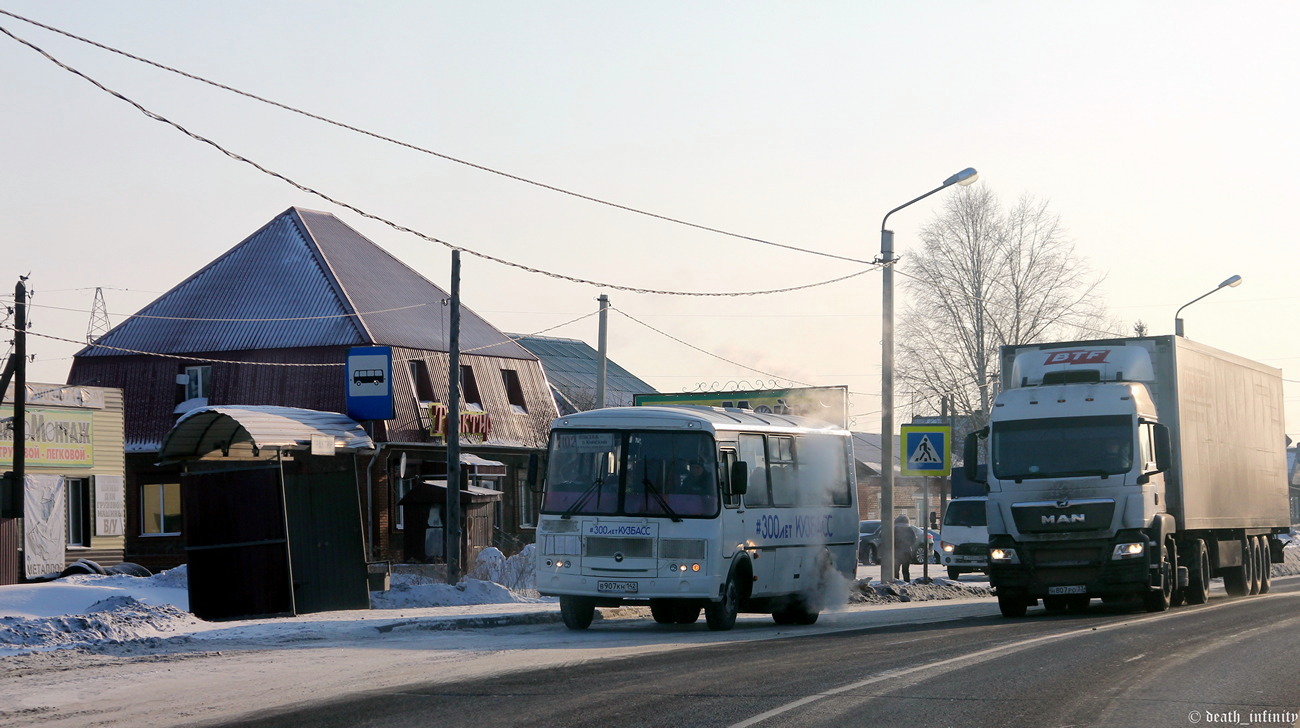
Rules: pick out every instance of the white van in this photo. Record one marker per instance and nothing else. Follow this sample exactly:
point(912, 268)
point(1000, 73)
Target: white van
point(964, 539)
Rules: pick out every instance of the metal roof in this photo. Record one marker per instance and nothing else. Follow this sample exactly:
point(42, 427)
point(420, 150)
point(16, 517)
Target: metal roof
point(570, 366)
point(247, 431)
point(298, 282)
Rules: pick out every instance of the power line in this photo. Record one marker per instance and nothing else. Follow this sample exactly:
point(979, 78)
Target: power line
point(422, 150)
point(242, 320)
point(402, 228)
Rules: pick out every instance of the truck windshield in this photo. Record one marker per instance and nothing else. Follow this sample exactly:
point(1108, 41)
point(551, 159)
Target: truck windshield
point(1062, 447)
point(609, 473)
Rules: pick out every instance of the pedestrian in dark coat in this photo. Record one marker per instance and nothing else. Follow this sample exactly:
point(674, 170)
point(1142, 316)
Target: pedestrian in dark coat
point(904, 547)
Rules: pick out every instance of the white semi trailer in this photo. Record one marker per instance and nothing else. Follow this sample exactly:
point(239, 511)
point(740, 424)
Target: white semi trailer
point(1140, 467)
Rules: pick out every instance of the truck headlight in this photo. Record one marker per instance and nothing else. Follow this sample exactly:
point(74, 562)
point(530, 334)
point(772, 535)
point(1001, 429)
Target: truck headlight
point(1004, 556)
point(1133, 550)
point(947, 547)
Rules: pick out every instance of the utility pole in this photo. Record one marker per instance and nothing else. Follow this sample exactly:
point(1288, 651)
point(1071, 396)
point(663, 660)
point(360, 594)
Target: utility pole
point(17, 368)
point(452, 510)
point(603, 348)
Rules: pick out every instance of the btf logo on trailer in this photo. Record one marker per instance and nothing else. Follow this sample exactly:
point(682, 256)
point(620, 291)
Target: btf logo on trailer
point(1078, 356)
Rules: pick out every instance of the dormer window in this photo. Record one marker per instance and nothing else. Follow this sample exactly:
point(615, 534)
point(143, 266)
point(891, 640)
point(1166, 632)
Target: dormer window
point(469, 389)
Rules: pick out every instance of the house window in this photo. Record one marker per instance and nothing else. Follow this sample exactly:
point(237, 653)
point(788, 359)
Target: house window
point(524, 499)
point(160, 509)
point(514, 391)
point(422, 388)
point(199, 382)
point(78, 497)
point(421, 383)
point(469, 389)
point(401, 488)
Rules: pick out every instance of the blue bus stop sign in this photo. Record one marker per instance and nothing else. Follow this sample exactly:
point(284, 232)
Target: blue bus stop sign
point(369, 374)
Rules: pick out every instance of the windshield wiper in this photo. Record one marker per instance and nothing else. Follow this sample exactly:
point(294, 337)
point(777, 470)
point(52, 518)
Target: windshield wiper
point(568, 512)
point(651, 489)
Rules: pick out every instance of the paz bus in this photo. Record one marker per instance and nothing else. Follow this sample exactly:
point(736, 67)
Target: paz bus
point(691, 508)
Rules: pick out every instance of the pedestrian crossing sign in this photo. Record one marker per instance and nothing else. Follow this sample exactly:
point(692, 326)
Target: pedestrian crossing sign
point(926, 450)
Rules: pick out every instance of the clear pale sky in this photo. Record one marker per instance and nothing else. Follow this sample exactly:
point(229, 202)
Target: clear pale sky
point(1163, 134)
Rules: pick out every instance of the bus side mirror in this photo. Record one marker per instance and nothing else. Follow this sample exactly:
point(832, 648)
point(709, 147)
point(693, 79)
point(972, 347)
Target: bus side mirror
point(739, 478)
point(1164, 448)
point(934, 520)
point(971, 455)
point(534, 463)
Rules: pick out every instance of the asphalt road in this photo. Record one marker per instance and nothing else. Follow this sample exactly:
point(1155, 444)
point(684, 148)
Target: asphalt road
point(1231, 661)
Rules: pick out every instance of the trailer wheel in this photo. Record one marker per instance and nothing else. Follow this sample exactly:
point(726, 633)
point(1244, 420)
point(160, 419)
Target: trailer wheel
point(577, 612)
point(1252, 548)
point(1012, 606)
point(1158, 601)
point(1265, 566)
point(1198, 572)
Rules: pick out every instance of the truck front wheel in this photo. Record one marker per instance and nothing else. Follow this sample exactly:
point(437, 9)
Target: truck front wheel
point(1012, 606)
point(1158, 601)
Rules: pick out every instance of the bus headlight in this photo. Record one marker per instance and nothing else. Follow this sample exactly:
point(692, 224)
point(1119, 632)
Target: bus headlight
point(947, 547)
point(1132, 550)
point(1003, 556)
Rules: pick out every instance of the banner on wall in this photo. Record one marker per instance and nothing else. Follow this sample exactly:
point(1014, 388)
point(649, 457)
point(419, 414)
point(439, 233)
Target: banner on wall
point(55, 438)
point(45, 527)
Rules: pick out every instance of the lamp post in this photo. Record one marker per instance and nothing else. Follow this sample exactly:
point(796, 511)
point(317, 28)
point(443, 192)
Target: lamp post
point(1232, 282)
point(964, 177)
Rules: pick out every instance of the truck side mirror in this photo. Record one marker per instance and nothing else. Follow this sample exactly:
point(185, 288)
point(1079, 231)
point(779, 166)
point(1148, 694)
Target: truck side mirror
point(1164, 448)
point(739, 478)
point(971, 455)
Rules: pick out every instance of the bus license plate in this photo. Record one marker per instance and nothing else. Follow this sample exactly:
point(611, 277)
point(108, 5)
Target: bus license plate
point(1067, 590)
point(617, 587)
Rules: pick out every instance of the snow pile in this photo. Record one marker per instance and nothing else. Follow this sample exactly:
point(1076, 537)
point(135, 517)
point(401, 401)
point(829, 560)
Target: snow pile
point(876, 592)
point(517, 573)
point(112, 620)
point(494, 579)
point(468, 592)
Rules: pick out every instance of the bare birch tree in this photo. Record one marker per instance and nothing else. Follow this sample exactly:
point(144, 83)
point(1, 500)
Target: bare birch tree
point(985, 277)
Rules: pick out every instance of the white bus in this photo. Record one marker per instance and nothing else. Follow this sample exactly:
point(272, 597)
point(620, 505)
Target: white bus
point(691, 507)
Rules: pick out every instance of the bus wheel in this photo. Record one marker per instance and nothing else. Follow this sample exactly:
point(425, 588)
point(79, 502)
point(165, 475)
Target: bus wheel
point(686, 613)
point(954, 573)
point(663, 611)
point(721, 615)
point(796, 612)
point(577, 612)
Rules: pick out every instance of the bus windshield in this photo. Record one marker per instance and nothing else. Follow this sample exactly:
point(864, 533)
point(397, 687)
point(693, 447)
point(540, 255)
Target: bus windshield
point(609, 473)
point(1063, 447)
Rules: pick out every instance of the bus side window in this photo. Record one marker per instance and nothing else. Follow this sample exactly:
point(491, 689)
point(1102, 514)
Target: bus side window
point(752, 451)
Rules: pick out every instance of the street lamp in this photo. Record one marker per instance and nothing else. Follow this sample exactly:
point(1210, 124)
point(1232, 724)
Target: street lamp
point(1232, 282)
point(964, 177)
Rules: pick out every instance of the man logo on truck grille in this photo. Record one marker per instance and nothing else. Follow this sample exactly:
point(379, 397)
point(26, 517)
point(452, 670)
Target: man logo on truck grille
point(1053, 520)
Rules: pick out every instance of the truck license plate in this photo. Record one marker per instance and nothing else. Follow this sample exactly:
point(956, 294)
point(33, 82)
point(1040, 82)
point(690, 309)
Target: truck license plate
point(617, 587)
point(1067, 590)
